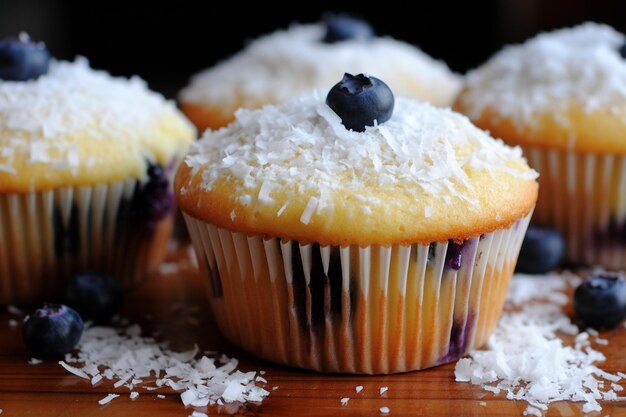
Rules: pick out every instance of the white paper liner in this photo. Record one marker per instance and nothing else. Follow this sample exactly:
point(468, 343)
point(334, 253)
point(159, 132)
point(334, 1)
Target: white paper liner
point(85, 222)
point(583, 196)
point(355, 309)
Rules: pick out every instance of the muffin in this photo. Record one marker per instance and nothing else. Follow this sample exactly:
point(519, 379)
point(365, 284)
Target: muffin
point(293, 62)
point(562, 97)
point(86, 162)
point(380, 249)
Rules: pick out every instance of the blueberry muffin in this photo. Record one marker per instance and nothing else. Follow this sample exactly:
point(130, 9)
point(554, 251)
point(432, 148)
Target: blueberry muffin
point(561, 96)
point(356, 232)
point(85, 167)
point(292, 62)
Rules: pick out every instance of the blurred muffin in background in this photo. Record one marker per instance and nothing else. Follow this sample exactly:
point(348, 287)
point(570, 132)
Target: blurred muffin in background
point(85, 167)
point(292, 62)
point(561, 96)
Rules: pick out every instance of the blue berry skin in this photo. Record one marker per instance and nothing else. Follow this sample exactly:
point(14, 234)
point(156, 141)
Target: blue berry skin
point(600, 302)
point(52, 330)
point(22, 60)
point(542, 250)
point(360, 101)
point(152, 201)
point(622, 50)
point(340, 28)
point(96, 297)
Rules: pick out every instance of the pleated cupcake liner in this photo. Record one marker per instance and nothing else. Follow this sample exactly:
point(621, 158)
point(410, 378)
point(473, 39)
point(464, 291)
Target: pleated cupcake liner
point(46, 237)
point(372, 310)
point(584, 196)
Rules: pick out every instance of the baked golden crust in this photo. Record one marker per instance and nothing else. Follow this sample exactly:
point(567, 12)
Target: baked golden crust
point(600, 131)
point(100, 161)
point(205, 117)
point(401, 219)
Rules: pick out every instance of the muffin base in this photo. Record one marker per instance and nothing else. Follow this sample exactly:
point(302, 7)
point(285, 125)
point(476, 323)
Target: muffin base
point(372, 310)
point(46, 237)
point(583, 195)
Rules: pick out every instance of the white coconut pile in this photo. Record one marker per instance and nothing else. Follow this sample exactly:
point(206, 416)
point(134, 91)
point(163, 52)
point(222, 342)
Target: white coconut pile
point(133, 361)
point(527, 359)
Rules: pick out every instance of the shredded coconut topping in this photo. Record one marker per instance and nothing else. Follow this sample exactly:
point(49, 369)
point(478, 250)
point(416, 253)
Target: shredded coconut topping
point(580, 65)
point(302, 145)
point(48, 120)
point(526, 358)
point(293, 62)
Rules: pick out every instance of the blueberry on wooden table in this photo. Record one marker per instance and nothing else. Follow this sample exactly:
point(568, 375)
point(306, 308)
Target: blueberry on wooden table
point(96, 297)
point(341, 27)
point(22, 59)
point(600, 301)
point(52, 330)
point(542, 250)
point(361, 101)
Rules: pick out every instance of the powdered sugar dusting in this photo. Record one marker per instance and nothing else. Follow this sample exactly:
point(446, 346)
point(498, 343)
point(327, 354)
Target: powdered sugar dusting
point(302, 145)
point(546, 74)
point(128, 358)
point(526, 358)
point(293, 62)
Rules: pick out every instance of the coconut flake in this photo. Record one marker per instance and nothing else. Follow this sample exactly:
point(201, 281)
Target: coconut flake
point(309, 210)
point(96, 379)
point(382, 390)
point(15, 310)
point(134, 395)
point(358, 388)
point(75, 371)
point(108, 399)
point(384, 410)
point(344, 400)
point(34, 361)
point(196, 413)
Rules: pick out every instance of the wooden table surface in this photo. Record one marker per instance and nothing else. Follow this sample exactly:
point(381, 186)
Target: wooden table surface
point(174, 303)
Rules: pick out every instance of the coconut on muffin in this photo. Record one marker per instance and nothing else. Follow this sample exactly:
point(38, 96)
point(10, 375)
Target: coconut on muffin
point(295, 61)
point(85, 162)
point(561, 96)
point(382, 248)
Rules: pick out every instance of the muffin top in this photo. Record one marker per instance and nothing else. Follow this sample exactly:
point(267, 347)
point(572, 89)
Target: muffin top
point(293, 62)
point(564, 89)
point(76, 126)
point(294, 171)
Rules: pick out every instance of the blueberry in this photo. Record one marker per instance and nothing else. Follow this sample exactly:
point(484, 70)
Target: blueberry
point(96, 297)
point(542, 250)
point(52, 330)
point(152, 200)
point(622, 50)
point(341, 27)
point(600, 301)
point(361, 101)
point(22, 60)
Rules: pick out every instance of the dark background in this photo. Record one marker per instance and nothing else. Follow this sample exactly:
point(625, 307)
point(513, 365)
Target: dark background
point(166, 41)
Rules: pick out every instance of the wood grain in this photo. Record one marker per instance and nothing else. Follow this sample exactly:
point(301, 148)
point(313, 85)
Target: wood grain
point(174, 303)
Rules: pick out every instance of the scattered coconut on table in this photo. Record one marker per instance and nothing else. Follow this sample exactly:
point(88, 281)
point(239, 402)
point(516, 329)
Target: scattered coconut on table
point(526, 359)
point(126, 357)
